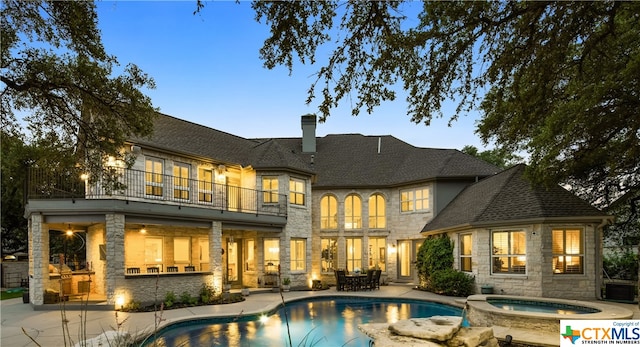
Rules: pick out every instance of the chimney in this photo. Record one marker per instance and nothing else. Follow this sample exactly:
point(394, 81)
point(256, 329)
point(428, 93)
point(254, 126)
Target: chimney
point(309, 133)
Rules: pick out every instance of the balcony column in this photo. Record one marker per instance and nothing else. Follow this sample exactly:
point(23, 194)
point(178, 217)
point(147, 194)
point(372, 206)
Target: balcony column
point(115, 254)
point(215, 254)
point(38, 259)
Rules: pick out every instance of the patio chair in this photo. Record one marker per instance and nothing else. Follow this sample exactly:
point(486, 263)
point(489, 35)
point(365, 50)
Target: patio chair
point(368, 281)
point(375, 280)
point(341, 280)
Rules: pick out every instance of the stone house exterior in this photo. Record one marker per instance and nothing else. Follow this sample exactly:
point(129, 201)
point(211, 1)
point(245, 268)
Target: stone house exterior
point(520, 239)
point(204, 207)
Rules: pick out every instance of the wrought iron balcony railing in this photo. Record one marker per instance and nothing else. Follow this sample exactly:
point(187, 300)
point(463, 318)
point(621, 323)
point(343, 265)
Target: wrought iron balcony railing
point(136, 185)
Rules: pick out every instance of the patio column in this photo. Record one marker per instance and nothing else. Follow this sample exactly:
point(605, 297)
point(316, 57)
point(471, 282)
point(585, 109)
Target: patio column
point(115, 255)
point(215, 254)
point(38, 259)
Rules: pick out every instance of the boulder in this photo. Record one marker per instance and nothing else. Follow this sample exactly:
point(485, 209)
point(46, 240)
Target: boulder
point(436, 328)
point(472, 337)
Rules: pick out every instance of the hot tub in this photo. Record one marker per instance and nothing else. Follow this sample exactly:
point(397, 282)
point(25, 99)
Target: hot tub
point(543, 314)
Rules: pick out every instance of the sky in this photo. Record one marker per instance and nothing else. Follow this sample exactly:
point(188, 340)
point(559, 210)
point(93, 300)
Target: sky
point(207, 70)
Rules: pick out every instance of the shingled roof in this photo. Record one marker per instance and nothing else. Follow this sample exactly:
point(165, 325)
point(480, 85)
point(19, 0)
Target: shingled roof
point(355, 160)
point(510, 197)
point(345, 160)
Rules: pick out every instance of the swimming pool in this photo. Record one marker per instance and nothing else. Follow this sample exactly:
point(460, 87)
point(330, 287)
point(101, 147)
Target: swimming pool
point(312, 322)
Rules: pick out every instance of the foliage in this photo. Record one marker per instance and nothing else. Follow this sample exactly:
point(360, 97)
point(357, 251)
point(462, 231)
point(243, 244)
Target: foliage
point(4, 295)
point(534, 69)
point(622, 265)
point(436, 253)
point(207, 293)
point(132, 306)
point(451, 282)
point(186, 298)
point(56, 73)
point(170, 299)
point(286, 281)
point(500, 158)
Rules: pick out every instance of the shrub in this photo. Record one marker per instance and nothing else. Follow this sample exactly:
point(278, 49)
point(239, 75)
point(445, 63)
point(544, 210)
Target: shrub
point(132, 306)
point(451, 282)
point(169, 299)
point(436, 253)
point(622, 265)
point(187, 299)
point(207, 294)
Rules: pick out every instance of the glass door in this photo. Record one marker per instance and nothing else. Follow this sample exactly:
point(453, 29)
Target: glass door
point(234, 273)
point(407, 255)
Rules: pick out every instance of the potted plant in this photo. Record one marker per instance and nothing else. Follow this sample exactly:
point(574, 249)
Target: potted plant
point(286, 284)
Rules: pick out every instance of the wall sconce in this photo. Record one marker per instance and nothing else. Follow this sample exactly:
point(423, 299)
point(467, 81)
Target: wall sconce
point(392, 249)
point(143, 230)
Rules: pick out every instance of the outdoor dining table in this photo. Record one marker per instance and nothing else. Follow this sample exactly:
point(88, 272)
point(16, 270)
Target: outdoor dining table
point(356, 281)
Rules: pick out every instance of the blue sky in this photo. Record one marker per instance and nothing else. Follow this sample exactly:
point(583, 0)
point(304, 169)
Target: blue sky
point(207, 70)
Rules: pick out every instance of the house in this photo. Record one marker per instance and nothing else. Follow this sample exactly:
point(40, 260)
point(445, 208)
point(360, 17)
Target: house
point(204, 207)
point(522, 239)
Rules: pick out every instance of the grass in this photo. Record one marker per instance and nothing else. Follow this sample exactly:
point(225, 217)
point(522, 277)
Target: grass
point(10, 294)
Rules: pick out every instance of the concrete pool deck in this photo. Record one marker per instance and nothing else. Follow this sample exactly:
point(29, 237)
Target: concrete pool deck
point(45, 326)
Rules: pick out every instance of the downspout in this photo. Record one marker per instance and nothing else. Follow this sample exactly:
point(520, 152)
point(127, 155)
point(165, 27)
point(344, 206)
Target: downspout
point(598, 256)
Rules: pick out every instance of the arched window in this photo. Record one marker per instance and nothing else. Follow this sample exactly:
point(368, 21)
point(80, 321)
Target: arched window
point(353, 212)
point(328, 212)
point(377, 212)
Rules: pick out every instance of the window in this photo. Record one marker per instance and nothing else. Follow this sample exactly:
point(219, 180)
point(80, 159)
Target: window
point(298, 254)
point(354, 254)
point(509, 252)
point(153, 250)
point(465, 252)
point(203, 256)
point(271, 255)
point(329, 254)
point(270, 188)
point(250, 255)
point(153, 176)
point(328, 212)
point(182, 250)
point(296, 191)
point(414, 200)
point(181, 181)
point(568, 254)
point(377, 212)
point(353, 212)
point(205, 185)
point(378, 253)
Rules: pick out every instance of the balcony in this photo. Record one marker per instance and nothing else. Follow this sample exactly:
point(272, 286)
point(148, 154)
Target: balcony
point(136, 185)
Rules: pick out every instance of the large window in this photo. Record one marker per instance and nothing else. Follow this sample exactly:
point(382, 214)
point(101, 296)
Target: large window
point(153, 176)
point(568, 254)
point(203, 253)
point(329, 253)
point(465, 252)
point(354, 254)
point(328, 212)
point(298, 254)
point(377, 212)
point(509, 252)
point(181, 181)
point(270, 188)
point(353, 212)
point(378, 253)
point(271, 255)
point(296, 191)
point(414, 200)
point(153, 251)
point(182, 250)
point(205, 185)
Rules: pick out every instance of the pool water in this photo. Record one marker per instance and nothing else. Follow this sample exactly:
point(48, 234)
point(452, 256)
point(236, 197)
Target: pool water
point(539, 306)
point(315, 322)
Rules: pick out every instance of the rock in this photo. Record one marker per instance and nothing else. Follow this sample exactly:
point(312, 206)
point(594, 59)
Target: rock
point(472, 337)
point(437, 328)
point(383, 337)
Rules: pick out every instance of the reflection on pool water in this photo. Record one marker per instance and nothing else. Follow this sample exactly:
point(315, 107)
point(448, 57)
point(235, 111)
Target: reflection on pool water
point(540, 306)
point(314, 322)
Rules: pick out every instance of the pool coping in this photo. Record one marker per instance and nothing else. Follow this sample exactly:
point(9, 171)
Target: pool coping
point(607, 311)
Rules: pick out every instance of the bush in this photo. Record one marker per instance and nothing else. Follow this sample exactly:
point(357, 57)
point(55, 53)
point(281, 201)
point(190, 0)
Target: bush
point(436, 253)
point(207, 294)
point(169, 299)
point(451, 282)
point(622, 265)
point(187, 299)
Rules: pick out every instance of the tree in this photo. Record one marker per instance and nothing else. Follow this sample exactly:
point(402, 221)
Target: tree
point(561, 78)
point(494, 156)
point(56, 73)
